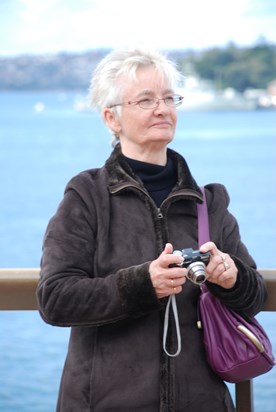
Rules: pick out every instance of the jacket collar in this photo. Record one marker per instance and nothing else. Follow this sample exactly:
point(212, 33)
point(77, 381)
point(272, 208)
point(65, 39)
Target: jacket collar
point(120, 175)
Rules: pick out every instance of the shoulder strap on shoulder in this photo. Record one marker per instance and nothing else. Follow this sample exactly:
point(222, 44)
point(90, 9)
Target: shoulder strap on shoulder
point(203, 221)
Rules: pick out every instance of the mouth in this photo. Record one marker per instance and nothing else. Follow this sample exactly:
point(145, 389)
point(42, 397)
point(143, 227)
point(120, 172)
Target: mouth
point(162, 125)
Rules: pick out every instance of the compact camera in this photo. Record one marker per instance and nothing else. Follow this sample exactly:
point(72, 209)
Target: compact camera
point(195, 262)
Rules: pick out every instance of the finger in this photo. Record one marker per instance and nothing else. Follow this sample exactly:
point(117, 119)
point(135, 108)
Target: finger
point(178, 281)
point(217, 268)
point(176, 290)
point(224, 262)
point(176, 274)
point(169, 258)
point(209, 247)
point(166, 258)
point(226, 265)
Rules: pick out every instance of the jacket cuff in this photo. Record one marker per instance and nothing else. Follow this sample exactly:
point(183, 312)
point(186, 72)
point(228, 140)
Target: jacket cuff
point(248, 294)
point(136, 291)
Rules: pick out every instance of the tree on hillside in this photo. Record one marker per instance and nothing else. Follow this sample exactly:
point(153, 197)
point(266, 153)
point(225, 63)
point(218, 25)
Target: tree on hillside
point(240, 68)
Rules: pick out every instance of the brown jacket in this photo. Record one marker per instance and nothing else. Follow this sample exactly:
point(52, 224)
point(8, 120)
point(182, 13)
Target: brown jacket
point(94, 278)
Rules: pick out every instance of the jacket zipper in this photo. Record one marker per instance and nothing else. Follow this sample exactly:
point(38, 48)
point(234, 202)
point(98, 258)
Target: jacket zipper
point(126, 185)
point(159, 213)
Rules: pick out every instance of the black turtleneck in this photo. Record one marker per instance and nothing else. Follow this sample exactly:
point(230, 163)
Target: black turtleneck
point(158, 180)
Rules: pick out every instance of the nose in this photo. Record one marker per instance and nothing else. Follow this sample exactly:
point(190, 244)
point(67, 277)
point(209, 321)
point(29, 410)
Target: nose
point(161, 105)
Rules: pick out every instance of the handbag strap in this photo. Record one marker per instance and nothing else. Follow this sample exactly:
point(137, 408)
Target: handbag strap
point(203, 221)
point(203, 237)
point(203, 225)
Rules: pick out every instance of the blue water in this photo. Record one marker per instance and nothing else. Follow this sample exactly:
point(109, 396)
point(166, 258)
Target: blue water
point(41, 151)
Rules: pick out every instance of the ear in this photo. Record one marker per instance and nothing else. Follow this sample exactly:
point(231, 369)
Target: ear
point(112, 120)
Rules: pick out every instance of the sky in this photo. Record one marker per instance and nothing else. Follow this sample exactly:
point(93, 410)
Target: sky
point(53, 26)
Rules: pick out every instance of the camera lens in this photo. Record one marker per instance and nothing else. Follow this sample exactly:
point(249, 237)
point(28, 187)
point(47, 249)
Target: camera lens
point(200, 279)
point(196, 273)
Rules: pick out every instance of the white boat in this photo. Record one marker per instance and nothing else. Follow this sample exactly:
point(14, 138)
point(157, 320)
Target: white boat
point(202, 96)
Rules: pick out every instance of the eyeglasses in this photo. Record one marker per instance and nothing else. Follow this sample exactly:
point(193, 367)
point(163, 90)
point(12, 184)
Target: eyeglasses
point(174, 100)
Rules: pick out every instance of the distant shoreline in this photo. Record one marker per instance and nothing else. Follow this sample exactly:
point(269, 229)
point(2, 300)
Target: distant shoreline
point(240, 68)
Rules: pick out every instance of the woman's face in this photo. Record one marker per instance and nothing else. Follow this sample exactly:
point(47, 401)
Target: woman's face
point(145, 129)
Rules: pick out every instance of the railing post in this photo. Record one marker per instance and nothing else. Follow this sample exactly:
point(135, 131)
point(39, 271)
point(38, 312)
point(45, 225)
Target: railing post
point(244, 396)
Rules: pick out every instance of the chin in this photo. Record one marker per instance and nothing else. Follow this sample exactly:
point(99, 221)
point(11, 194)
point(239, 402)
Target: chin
point(166, 139)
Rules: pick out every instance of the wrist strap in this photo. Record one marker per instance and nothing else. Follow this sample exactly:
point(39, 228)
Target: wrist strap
point(171, 302)
point(203, 237)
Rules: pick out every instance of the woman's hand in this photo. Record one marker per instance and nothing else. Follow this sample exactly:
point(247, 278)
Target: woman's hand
point(221, 269)
point(167, 280)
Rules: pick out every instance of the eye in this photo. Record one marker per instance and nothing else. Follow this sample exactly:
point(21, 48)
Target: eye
point(170, 100)
point(148, 102)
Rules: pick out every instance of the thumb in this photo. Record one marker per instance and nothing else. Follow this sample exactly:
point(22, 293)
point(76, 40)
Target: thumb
point(168, 249)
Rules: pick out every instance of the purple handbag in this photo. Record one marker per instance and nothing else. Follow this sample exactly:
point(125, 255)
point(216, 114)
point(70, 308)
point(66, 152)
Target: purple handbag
point(236, 349)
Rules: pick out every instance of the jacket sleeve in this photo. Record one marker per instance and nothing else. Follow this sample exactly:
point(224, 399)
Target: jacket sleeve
point(249, 293)
point(69, 292)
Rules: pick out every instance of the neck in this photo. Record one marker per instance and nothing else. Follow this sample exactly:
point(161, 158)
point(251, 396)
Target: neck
point(158, 157)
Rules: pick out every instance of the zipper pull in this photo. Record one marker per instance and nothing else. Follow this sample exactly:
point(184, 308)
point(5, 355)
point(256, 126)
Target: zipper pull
point(159, 214)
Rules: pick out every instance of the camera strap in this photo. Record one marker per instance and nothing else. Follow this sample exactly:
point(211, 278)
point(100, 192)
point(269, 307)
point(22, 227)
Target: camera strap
point(171, 302)
point(203, 237)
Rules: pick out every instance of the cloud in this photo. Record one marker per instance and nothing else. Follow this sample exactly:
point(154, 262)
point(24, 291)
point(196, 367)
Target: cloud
point(59, 25)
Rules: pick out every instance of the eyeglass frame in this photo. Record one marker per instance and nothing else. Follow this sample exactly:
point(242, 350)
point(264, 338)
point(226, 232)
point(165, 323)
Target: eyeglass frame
point(156, 100)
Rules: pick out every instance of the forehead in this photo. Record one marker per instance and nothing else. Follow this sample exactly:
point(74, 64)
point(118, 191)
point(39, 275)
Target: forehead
point(148, 80)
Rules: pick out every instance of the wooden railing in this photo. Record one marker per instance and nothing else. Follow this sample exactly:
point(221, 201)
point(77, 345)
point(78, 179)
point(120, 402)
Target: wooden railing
point(17, 292)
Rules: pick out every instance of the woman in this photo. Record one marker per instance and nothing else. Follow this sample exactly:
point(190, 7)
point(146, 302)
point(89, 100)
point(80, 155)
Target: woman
point(108, 268)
